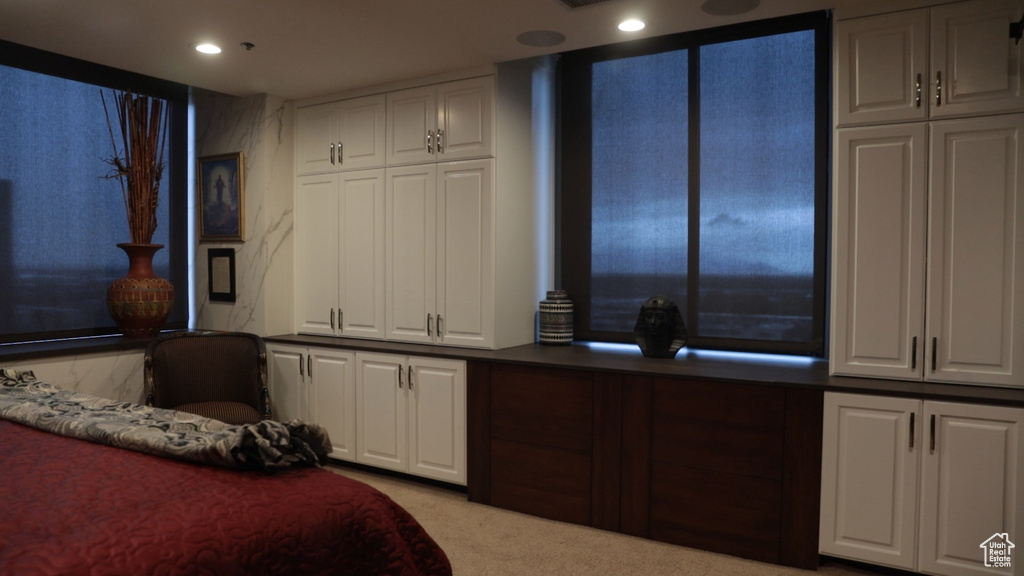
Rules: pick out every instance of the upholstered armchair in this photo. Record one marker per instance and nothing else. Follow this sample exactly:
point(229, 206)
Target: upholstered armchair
point(220, 375)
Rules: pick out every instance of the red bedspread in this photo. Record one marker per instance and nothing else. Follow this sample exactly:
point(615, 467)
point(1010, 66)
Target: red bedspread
point(73, 507)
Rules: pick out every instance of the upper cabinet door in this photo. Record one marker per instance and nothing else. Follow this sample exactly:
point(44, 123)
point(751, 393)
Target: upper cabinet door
point(975, 65)
point(879, 251)
point(881, 68)
point(975, 317)
point(315, 127)
point(465, 119)
point(465, 253)
point(360, 138)
point(316, 254)
point(412, 126)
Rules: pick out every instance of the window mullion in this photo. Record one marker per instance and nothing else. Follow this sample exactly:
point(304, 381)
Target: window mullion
point(693, 196)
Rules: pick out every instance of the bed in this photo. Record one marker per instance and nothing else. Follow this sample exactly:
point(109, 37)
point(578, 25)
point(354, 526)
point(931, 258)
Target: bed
point(74, 500)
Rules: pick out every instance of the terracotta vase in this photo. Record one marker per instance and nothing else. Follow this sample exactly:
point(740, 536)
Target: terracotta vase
point(140, 302)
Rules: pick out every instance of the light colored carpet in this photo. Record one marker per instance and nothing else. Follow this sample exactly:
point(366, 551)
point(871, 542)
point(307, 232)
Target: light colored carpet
point(485, 541)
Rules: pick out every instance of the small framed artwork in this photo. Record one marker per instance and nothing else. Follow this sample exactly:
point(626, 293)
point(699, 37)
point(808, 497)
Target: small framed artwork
point(221, 189)
point(221, 278)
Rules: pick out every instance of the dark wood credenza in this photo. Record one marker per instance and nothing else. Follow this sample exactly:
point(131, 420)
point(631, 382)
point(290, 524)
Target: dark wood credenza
point(729, 467)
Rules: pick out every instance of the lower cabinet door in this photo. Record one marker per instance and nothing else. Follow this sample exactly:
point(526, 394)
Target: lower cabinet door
point(972, 490)
point(869, 485)
point(437, 418)
point(381, 398)
point(332, 398)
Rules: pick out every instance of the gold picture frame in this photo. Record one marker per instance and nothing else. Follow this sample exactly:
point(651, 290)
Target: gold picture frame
point(221, 195)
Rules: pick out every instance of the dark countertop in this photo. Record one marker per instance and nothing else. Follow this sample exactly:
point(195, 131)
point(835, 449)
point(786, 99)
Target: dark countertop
point(801, 372)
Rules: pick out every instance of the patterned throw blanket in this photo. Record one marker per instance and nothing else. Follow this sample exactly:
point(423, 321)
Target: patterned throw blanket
point(266, 446)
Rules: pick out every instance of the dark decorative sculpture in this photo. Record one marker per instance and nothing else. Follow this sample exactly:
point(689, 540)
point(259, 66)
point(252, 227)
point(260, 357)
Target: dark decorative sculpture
point(660, 331)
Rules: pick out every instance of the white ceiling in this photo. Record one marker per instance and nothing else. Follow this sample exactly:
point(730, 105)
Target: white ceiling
point(306, 48)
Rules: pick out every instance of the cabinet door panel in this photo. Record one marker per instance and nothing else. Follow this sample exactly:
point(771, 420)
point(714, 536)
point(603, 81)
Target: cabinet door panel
point(316, 254)
point(286, 374)
point(869, 478)
point(315, 127)
point(879, 61)
point(731, 428)
point(562, 420)
point(361, 132)
point(979, 62)
point(465, 253)
point(362, 242)
point(879, 251)
point(975, 296)
point(464, 115)
point(332, 399)
point(437, 419)
point(542, 481)
point(713, 511)
point(411, 115)
point(381, 416)
point(973, 481)
point(411, 253)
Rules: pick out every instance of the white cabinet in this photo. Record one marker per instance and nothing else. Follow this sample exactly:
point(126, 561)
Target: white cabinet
point(411, 415)
point(920, 485)
point(928, 279)
point(450, 250)
point(339, 254)
point(951, 60)
point(443, 122)
point(440, 253)
point(344, 135)
point(316, 385)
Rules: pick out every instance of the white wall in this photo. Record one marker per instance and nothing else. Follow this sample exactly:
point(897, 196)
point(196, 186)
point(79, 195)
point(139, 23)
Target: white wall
point(261, 128)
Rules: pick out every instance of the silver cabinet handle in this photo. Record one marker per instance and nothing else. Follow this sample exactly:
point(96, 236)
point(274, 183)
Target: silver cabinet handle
point(912, 414)
point(309, 365)
point(938, 88)
point(332, 152)
point(332, 319)
point(430, 141)
point(430, 325)
point(440, 326)
point(341, 320)
point(935, 349)
point(341, 156)
point(399, 376)
point(300, 366)
point(932, 426)
point(410, 377)
point(440, 141)
point(917, 92)
point(913, 354)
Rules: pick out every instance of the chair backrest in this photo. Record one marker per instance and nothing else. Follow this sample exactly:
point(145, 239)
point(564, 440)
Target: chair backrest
point(187, 367)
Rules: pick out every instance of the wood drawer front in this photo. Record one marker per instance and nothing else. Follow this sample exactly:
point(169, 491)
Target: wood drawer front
point(725, 427)
point(726, 513)
point(547, 407)
point(546, 482)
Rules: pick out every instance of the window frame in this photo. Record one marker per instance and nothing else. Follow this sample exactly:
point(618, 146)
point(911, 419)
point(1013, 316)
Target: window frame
point(177, 98)
point(575, 169)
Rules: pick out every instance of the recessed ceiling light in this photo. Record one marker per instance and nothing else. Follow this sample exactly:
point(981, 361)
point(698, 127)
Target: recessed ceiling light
point(208, 48)
point(631, 25)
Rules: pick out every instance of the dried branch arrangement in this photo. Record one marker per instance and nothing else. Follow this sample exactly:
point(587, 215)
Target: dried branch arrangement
point(138, 159)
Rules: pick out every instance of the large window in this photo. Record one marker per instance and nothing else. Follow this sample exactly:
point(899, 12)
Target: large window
point(60, 219)
point(695, 167)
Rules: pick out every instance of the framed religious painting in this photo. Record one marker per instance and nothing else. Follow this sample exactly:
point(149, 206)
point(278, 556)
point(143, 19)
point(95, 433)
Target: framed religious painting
point(221, 196)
